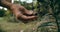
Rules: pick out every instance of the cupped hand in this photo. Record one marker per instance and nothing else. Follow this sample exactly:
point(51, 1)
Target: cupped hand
point(19, 12)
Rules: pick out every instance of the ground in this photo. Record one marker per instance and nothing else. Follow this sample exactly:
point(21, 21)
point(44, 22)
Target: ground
point(13, 26)
point(46, 24)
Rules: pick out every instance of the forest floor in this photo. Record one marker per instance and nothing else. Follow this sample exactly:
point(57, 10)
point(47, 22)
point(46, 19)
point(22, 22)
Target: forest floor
point(8, 26)
point(47, 23)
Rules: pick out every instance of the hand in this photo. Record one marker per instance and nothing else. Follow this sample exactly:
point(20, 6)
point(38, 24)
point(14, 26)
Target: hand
point(19, 12)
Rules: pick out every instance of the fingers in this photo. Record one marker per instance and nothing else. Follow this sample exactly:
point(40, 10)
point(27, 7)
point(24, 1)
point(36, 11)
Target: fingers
point(28, 13)
point(20, 15)
point(25, 11)
point(24, 17)
point(19, 12)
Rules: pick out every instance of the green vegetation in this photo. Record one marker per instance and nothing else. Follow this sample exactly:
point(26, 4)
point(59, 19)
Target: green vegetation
point(2, 12)
point(48, 21)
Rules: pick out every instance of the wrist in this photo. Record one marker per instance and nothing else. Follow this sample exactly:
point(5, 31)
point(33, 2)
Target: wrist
point(5, 3)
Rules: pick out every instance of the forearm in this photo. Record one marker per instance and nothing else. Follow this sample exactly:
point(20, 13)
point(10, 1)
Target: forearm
point(5, 3)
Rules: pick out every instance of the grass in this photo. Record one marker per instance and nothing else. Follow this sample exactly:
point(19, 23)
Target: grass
point(43, 25)
point(15, 27)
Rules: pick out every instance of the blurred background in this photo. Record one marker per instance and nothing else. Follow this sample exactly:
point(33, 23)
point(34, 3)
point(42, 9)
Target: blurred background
point(48, 13)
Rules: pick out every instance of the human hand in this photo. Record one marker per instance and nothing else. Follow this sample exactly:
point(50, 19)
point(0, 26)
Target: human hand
point(19, 12)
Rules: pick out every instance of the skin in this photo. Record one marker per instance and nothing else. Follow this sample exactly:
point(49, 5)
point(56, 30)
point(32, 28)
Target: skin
point(19, 11)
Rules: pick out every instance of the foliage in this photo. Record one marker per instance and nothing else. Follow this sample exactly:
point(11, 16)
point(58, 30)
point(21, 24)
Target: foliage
point(49, 10)
point(2, 12)
point(51, 7)
point(26, 5)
